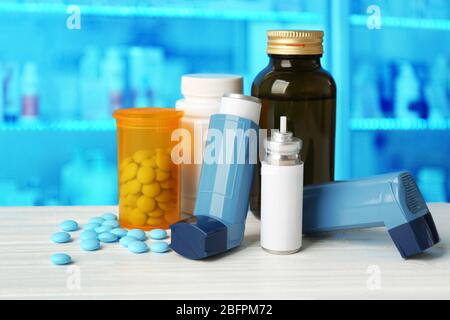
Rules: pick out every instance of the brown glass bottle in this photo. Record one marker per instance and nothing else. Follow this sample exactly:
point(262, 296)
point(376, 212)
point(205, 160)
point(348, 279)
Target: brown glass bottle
point(295, 85)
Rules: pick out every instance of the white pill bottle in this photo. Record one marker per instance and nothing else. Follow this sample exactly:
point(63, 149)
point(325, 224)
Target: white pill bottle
point(282, 193)
point(202, 96)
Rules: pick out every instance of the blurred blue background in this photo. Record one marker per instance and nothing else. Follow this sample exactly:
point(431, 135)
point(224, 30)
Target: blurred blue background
point(61, 75)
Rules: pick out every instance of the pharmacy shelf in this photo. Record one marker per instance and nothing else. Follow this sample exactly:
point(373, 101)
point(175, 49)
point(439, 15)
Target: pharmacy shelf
point(398, 124)
point(404, 23)
point(254, 14)
point(45, 126)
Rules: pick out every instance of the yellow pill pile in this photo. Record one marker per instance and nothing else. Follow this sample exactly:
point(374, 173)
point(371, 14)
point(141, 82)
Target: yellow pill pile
point(148, 190)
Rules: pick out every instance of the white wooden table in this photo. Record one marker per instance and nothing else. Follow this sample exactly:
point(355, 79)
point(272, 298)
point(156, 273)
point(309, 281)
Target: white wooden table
point(361, 264)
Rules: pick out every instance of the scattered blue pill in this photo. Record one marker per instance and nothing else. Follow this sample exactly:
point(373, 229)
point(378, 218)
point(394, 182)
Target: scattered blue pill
point(111, 223)
point(90, 244)
point(137, 233)
point(61, 237)
point(125, 241)
point(107, 237)
point(158, 234)
point(69, 225)
point(138, 247)
point(109, 216)
point(119, 232)
point(88, 234)
point(102, 229)
point(98, 220)
point(159, 247)
point(60, 258)
point(91, 226)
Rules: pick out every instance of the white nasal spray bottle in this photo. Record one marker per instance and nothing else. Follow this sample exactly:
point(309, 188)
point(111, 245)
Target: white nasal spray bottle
point(282, 193)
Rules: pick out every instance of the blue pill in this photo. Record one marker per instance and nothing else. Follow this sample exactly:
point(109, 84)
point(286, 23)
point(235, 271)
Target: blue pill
point(125, 241)
point(102, 229)
point(60, 258)
point(158, 234)
point(107, 237)
point(138, 247)
point(61, 237)
point(159, 247)
point(98, 220)
point(69, 225)
point(90, 244)
point(88, 234)
point(119, 232)
point(91, 226)
point(111, 223)
point(137, 233)
point(109, 216)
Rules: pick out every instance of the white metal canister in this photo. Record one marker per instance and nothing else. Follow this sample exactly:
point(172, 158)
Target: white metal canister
point(282, 193)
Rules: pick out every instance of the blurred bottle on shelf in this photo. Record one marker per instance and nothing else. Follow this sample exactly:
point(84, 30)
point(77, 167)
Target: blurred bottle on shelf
point(71, 178)
point(99, 181)
point(145, 76)
point(173, 71)
point(9, 82)
point(436, 89)
point(15, 195)
point(365, 98)
point(407, 92)
point(88, 179)
point(112, 73)
point(431, 181)
point(2, 76)
point(94, 103)
point(66, 97)
point(29, 92)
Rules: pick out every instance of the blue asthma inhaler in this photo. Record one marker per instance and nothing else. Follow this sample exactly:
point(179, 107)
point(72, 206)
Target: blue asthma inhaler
point(391, 200)
point(230, 157)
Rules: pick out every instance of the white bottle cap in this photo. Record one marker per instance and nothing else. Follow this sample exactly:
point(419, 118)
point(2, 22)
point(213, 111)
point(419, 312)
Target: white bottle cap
point(210, 85)
point(242, 106)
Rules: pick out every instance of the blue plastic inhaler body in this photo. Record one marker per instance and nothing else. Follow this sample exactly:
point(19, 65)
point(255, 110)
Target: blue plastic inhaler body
point(224, 188)
point(391, 200)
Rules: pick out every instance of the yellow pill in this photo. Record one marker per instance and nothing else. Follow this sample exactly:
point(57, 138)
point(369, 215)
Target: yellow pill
point(134, 186)
point(163, 161)
point(166, 206)
point(156, 213)
point(146, 175)
point(155, 221)
point(124, 163)
point(162, 175)
point(164, 196)
point(124, 190)
point(168, 184)
point(137, 217)
point(129, 172)
point(141, 155)
point(149, 163)
point(151, 190)
point(132, 200)
point(146, 204)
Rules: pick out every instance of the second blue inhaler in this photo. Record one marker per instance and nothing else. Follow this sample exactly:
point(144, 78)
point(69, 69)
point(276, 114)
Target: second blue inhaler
point(230, 156)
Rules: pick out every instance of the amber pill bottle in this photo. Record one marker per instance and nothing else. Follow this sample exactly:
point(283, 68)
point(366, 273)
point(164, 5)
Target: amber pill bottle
point(295, 85)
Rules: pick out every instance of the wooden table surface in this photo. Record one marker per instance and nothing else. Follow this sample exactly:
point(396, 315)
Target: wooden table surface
point(361, 264)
